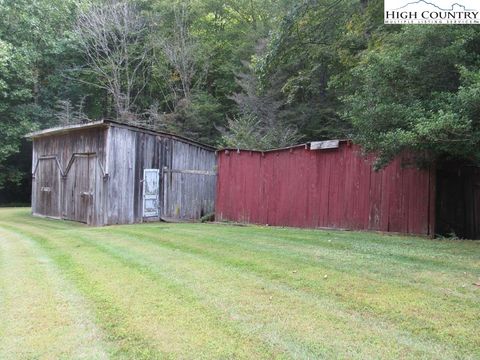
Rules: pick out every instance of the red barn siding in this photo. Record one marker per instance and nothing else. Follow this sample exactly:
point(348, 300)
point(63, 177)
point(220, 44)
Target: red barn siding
point(335, 188)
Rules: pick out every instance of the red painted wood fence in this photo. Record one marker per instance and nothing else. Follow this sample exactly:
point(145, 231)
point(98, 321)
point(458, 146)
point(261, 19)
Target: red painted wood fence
point(332, 188)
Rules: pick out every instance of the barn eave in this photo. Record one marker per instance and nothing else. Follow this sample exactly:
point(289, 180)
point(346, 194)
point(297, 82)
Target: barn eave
point(307, 145)
point(64, 129)
point(107, 123)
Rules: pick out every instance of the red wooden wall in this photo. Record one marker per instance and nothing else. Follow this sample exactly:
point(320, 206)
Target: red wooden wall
point(334, 188)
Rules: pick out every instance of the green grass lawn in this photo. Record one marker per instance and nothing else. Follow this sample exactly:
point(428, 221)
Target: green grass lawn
point(192, 291)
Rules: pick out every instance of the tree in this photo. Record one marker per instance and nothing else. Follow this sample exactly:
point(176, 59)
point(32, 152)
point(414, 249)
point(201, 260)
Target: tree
point(15, 89)
point(257, 124)
point(302, 56)
point(181, 52)
point(113, 37)
point(417, 90)
point(34, 48)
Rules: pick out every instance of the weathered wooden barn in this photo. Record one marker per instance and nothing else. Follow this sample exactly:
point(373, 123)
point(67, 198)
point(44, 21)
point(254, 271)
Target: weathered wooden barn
point(325, 185)
point(105, 172)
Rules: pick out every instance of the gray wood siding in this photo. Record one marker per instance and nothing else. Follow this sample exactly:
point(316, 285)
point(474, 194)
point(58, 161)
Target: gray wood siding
point(51, 158)
point(189, 195)
point(69, 175)
point(121, 169)
point(47, 189)
point(79, 194)
point(152, 152)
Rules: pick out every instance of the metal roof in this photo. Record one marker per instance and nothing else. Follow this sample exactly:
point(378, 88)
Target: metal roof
point(304, 145)
point(106, 123)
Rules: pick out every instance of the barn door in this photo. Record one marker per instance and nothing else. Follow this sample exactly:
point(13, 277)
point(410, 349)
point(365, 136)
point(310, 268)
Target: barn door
point(79, 189)
point(188, 194)
point(151, 191)
point(46, 199)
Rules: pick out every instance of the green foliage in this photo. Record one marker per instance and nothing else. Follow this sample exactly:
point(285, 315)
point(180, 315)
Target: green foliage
point(416, 90)
point(200, 115)
point(302, 56)
point(318, 69)
point(248, 132)
point(31, 42)
point(342, 73)
point(15, 81)
point(243, 133)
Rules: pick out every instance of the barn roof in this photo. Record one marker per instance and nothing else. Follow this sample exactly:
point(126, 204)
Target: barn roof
point(312, 145)
point(107, 123)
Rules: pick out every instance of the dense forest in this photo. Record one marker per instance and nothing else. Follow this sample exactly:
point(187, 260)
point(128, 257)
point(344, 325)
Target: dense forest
point(239, 73)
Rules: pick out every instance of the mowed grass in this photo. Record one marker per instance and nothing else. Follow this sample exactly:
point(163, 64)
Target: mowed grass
point(205, 291)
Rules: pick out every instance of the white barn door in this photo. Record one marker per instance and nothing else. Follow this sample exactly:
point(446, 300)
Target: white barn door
point(151, 191)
